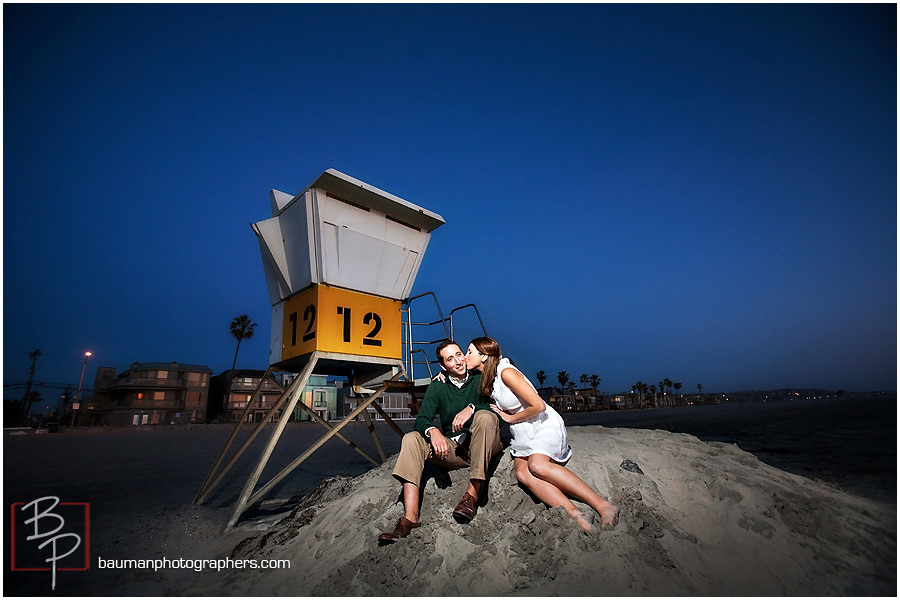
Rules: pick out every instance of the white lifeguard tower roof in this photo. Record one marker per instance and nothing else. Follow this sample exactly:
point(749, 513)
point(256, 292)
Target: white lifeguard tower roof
point(343, 232)
point(369, 196)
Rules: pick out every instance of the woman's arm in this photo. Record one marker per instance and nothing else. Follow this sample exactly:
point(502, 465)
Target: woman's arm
point(519, 386)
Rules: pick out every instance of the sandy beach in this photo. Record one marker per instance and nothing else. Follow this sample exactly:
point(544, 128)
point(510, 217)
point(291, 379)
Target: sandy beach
point(702, 517)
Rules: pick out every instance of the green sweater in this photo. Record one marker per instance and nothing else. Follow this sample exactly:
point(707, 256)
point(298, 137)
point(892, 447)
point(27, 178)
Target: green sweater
point(446, 400)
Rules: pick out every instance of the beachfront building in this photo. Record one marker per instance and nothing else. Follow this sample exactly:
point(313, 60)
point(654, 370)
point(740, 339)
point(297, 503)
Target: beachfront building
point(395, 404)
point(587, 399)
point(320, 396)
point(232, 390)
point(551, 396)
point(617, 401)
point(150, 393)
point(562, 400)
point(333, 400)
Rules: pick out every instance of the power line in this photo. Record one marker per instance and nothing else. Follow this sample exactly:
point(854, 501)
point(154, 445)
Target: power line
point(59, 386)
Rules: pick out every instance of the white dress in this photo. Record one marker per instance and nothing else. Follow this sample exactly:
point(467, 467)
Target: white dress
point(544, 433)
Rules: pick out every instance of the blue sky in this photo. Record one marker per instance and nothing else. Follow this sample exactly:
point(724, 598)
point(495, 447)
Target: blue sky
point(706, 193)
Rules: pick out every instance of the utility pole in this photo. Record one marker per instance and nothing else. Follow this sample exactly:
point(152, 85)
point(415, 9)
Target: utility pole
point(87, 355)
point(26, 401)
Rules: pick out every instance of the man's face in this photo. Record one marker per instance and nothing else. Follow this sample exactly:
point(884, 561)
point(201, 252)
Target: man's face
point(454, 361)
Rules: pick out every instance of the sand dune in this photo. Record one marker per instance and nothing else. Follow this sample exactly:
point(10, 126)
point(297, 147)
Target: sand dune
point(702, 519)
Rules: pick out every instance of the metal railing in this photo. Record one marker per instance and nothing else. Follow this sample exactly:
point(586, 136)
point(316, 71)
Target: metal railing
point(410, 343)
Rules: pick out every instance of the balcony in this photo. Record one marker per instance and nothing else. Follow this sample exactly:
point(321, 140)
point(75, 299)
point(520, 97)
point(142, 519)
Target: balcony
point(146, 383)
point(146, 404)
point(237, 386)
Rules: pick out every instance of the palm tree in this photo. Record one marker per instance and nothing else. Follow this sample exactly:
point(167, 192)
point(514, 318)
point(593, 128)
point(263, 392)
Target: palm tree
point(563, 378)
point(699, 392)
point(26, 400)
point(584, 380)
point(242, 329)
point(571, 387)
point(677, 386)
point(594, 381)
point(641, 387)
point(541, 377)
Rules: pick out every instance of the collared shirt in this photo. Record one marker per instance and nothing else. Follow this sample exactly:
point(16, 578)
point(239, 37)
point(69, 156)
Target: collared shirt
point(458, 382)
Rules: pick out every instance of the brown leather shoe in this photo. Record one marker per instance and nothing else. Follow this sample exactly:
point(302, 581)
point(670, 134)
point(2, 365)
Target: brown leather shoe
point(401, 530)
point(466, 509)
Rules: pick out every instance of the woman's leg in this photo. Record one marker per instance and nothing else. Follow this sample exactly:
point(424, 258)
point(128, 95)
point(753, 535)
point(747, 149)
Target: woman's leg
point(570, 484)
point(548, 493)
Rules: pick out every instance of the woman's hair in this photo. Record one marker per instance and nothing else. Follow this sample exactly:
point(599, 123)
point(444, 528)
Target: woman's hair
point(490, 348)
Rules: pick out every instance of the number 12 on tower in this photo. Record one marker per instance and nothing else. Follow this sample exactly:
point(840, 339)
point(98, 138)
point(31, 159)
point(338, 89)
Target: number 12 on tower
point(336, 320)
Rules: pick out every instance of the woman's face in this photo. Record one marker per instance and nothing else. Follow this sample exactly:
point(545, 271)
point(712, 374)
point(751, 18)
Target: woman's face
point(473, 358)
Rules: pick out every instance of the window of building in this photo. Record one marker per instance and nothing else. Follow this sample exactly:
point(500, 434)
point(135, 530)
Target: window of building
point(320, 399)
point(395, 401)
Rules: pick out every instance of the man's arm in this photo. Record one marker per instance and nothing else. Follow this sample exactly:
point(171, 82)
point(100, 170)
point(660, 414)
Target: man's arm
point(463, 417)
point(428, 409)
point(474, 402)
point(425, 421)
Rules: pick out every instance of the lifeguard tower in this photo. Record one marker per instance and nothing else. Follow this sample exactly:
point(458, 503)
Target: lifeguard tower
point(340, 260)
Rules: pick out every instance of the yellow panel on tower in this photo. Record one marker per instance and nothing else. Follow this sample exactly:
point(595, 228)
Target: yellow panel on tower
point(331, 319)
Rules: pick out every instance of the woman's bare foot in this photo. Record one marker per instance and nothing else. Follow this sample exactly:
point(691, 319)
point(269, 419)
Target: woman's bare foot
point(584, 521)
point(609, 517)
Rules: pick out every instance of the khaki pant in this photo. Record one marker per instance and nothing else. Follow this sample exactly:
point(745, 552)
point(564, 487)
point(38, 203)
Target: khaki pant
point(484, 445)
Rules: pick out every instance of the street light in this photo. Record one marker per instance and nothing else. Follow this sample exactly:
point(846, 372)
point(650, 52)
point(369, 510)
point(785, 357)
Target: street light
point(87, 355)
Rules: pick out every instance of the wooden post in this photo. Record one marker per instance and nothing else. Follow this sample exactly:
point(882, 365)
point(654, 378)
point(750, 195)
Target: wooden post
point(387, 419)
point(344, 438)
point(204, 491)
point(371, 427)
point(246, 499)
point(276, 434)
point(199, 498)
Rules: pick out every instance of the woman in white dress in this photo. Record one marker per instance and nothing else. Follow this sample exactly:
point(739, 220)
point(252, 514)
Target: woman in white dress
point(539, 445)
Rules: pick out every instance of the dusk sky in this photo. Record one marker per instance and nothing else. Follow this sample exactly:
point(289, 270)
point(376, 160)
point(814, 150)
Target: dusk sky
point(705, 193)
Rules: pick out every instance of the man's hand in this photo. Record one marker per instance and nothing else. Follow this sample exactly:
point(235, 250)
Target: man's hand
point(461, 417)
point(439, 444)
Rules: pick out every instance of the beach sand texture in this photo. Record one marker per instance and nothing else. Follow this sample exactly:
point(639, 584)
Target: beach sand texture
point(702, 519)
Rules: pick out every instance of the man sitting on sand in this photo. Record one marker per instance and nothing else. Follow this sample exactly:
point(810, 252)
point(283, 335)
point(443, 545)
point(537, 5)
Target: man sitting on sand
point(469, 436)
